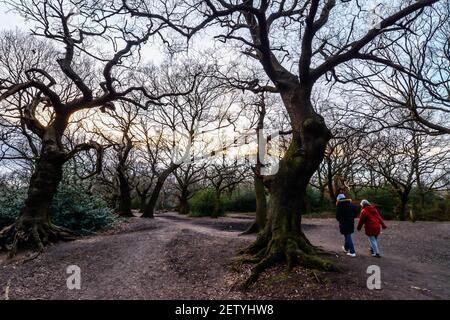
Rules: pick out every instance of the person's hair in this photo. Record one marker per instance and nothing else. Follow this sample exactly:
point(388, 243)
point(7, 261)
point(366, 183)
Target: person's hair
point(365, 203)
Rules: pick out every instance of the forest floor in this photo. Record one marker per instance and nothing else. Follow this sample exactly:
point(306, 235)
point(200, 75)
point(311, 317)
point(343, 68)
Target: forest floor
point(176, 257)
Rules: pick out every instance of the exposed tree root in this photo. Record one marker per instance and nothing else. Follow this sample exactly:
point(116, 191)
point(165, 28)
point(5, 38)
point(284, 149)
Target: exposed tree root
point(243, 259)
point(32, 234)
point(294, 250)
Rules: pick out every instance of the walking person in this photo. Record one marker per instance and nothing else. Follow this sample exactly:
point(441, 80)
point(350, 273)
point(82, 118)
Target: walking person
point(373, 222)
point(346, 213)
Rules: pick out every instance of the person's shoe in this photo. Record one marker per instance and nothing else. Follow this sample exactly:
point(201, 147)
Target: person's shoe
point(345, 250)
point(351, 254)
point(371, 251)
point(376, 255)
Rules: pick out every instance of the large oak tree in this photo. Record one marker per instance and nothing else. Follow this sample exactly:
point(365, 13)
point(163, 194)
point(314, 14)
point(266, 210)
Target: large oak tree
point(325, 35)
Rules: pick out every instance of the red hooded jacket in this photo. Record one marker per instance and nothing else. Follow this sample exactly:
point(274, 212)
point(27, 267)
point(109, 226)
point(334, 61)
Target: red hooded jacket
point(372, 221)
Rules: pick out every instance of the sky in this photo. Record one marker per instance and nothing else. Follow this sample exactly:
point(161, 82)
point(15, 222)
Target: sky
point(9, 20)
point(150, 52)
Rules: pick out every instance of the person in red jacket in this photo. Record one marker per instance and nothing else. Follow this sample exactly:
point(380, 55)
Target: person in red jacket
point(372, 221)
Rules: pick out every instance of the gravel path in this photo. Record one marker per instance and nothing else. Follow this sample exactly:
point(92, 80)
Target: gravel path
point(175, 257)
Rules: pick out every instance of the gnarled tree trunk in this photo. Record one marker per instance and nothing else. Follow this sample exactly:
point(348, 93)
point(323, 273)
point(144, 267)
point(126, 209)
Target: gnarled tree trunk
point(282, 238)
point(33, 227)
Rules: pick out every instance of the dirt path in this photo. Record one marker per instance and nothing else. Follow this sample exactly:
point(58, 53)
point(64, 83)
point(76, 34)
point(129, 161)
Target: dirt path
point(174, 257)
point(415, 261)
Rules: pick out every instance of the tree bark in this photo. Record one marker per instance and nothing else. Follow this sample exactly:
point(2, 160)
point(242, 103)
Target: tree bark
point(401, 207)
point(149, 210)
point(261, 207)
point(184, 207)
point(330, 184)
point(217, 204)
point(124, 195)
point(142, 197)
point(322, 195)
point(260, 194)
point(142, 200)
point(282, 238)
point(33, 226)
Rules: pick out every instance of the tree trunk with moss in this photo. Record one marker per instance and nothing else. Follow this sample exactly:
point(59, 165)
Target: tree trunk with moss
point(282, 238)
point(33, 227)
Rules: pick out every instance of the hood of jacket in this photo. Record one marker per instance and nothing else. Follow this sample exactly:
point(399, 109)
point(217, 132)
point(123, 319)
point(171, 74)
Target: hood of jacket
point(371, 209)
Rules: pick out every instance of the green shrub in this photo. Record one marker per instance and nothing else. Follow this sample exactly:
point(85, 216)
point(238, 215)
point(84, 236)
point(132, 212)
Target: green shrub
point(72, 208)
point(314, 203)
point(384, 199)
point(79, 211)
point(11, 201)
point(436, 207)
point(203, 203)
point(242, 201)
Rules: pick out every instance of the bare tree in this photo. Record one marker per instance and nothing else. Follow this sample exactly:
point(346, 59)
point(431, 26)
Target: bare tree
point(207, 107)
point(20, 146)
point(406, 160)
point(258, 183)
point(55, 21)
point(121, 137)
point(188, 177)
point(420, 95)
point(224, 176)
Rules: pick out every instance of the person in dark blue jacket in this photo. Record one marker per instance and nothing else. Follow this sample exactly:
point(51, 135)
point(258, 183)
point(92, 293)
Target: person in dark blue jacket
point(346, 212)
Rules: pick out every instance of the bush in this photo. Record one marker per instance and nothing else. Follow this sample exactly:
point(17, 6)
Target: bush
point(436, 206)
point(384, 199)
point(75, 209)
point(72, 208)
point(203, 202)
point(11, 201)
point(314, 203)
point(242, 201)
